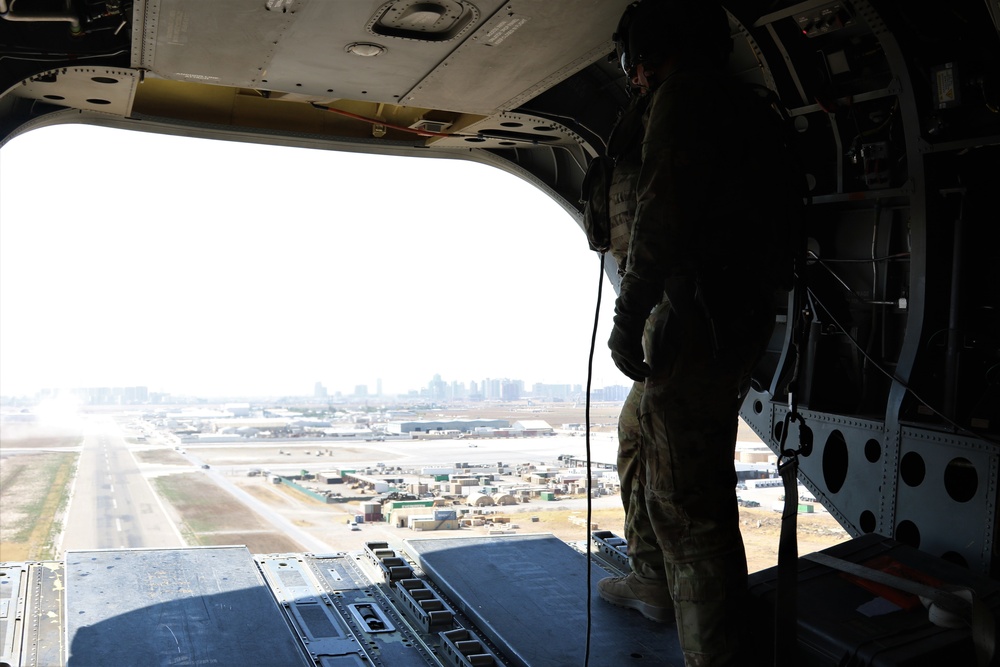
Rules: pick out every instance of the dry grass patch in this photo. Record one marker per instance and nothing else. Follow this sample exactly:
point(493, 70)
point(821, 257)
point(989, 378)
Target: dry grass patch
point(299, 496)
point(161, 456)
point(211, 516)
point(264, 542)
point(34, 490)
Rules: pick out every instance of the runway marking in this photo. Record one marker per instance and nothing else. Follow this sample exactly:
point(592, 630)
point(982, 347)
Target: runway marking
point(118, 525)
point(111, 488)
point(114, 503)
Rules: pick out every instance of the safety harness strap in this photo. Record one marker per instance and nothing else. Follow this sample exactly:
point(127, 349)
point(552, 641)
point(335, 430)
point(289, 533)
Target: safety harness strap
point(786, 596)
point(786, 607)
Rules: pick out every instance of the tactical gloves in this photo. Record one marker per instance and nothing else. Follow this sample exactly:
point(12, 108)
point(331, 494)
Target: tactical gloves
point(636, 299)
point(626, 347)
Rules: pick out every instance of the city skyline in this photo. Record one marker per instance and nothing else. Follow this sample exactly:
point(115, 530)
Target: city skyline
point(436, 389)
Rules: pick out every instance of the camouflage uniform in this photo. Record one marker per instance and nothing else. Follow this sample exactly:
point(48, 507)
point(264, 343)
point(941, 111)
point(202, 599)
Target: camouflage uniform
point(702, 193)
point(625, 145)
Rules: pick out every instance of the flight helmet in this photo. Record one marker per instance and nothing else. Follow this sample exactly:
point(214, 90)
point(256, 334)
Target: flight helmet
point(653, 30)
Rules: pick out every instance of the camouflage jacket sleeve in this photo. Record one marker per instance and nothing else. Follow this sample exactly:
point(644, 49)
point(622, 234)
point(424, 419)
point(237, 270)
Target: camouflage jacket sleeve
point(685, 124)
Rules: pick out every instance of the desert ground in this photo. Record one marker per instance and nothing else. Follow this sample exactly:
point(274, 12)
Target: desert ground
point(34, 489)
point(228, 507)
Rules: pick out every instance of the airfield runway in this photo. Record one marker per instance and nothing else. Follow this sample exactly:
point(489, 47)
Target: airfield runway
point(112, 505)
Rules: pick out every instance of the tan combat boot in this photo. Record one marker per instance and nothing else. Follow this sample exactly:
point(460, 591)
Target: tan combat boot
point(652, 600)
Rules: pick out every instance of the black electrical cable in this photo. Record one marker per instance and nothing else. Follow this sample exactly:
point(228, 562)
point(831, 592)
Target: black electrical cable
point(892, 376)
point(58, 57)
point(590, 377)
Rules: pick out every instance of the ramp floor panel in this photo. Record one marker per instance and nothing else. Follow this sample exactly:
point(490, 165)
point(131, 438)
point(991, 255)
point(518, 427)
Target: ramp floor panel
point(204, 606)
point(527, 594)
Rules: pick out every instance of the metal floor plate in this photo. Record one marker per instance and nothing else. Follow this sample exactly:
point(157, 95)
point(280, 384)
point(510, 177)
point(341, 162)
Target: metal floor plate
point(526, 594)
point(204, 606)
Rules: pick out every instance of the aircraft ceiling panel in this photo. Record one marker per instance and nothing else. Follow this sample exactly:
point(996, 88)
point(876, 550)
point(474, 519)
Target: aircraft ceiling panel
point(518, 53)
point(210, 42)
point(505, 53)
point(355, 51)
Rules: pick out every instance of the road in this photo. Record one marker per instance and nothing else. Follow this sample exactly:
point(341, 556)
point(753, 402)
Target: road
point(112, 505)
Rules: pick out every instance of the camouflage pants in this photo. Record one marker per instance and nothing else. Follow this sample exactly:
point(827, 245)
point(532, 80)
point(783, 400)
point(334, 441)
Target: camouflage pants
point(677, 439)
point(645, 556)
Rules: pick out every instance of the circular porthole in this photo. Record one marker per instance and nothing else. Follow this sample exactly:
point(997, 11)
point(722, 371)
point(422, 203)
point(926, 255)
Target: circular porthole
point(873, 451)
point(908, 533)
point(961, 480)
point(912, 469)
point(835, 461)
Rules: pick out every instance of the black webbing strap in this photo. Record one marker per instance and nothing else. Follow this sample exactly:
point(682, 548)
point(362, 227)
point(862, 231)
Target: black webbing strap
point(786, 602)
point(786, 595)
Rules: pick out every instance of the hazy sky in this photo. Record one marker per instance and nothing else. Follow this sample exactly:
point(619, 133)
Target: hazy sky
point(216, 268)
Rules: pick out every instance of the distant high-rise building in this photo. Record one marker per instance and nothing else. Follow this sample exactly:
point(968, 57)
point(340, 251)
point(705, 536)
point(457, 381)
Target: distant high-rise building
point(510, 390)
point(378, 387)
point(437, 388)
point(319, 391)
point(491, 389)
point(109, 395)
point(361, 390)
point(562, 392)
point(613, 393)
